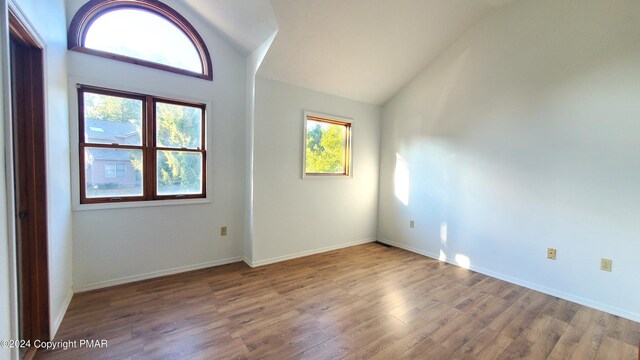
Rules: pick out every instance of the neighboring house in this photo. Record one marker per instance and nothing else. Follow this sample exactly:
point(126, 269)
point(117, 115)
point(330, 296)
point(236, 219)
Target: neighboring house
point(108, 168)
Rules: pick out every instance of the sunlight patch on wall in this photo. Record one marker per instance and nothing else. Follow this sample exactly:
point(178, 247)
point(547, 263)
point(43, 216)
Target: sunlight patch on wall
point(443, 233)
point(401, 180)
point(443, 256)
point(463, 261)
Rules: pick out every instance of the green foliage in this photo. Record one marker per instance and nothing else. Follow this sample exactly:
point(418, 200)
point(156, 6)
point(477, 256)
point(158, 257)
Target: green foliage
point(136, 161)
point(325, 152)
point(177, 127)
point(112, 108)
point(313, 138)
point(179, 172)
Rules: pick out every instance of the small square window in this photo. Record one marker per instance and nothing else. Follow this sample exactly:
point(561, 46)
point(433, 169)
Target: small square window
point(114, 170)
point(110, 170)
point(327, 145)
point(120, 169)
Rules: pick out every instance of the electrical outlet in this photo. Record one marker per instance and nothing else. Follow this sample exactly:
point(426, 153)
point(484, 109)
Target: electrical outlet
point(551, 253)
point(223, 231)
point(412, 224)
point(606, 264)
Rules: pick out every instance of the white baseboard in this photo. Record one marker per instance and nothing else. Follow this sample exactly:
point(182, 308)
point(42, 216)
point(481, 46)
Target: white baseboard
point(533, 286)
point(62, 311)
point(257, 263)
point(248, 262)
point(153, 274)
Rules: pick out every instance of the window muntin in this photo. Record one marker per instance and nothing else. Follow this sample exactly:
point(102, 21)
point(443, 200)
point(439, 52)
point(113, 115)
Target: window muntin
point(142, 32)
point(327, 146)
point(114, 170)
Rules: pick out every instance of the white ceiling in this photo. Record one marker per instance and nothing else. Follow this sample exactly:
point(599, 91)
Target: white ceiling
point(359, 49)
point(245, 23)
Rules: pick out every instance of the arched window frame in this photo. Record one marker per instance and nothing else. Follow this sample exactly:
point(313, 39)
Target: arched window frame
point(92, 10)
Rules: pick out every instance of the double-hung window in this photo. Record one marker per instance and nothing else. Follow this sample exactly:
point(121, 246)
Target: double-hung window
point(136, 147)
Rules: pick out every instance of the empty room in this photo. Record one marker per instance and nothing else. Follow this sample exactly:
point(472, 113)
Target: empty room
point(320, 179)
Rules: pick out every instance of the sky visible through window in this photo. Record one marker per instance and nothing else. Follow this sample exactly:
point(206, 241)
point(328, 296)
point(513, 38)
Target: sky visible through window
point(143, 35)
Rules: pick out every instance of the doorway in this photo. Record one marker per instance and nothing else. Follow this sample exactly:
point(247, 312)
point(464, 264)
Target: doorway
point(29, 164)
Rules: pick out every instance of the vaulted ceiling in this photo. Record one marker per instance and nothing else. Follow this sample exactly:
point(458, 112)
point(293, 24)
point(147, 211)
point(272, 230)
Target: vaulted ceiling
point(245, 23)
point(359, 49)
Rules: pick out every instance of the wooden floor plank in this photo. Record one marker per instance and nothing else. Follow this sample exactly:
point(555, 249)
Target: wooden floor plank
point(567, 343)
point(363, 302)
point(615, 349)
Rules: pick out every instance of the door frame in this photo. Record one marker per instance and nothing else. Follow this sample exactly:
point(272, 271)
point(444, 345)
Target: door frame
point(20, 29)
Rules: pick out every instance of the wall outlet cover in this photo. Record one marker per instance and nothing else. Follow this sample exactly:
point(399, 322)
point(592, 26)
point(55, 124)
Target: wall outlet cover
point(606, 264)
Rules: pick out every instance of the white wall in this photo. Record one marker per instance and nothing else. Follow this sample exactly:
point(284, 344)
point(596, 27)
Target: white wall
point(254, 60)
point(125, 244)
point(294, 216)
point(48, 22)
point(524, 135)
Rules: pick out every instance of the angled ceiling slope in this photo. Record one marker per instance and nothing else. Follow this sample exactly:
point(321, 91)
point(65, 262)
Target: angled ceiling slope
point(364, 50)
point(245, 23)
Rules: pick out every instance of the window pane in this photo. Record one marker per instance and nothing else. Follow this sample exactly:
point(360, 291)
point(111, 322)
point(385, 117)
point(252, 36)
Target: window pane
point(326, 148)
point(178, 126)
point(109, 170)
point(112, 120)
point(121, 169)
point(143, 35)
point(112, 172)
point(179, 173)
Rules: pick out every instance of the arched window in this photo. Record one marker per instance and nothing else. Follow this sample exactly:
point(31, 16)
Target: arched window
point(142, 32)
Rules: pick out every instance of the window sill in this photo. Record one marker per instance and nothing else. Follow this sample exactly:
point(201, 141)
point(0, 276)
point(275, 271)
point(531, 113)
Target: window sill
point(325, 177)
point(138, 204)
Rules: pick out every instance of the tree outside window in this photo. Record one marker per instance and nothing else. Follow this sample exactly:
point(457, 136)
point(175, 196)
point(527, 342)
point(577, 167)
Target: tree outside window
point(139, 147)
point(327, 146)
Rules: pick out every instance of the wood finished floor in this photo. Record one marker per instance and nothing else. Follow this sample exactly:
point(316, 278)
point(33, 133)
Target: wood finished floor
point(366, 301)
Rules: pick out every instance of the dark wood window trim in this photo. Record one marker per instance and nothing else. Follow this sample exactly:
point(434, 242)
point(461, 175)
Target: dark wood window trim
point(93, 9)
point(148, 147)
point(347, 123)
